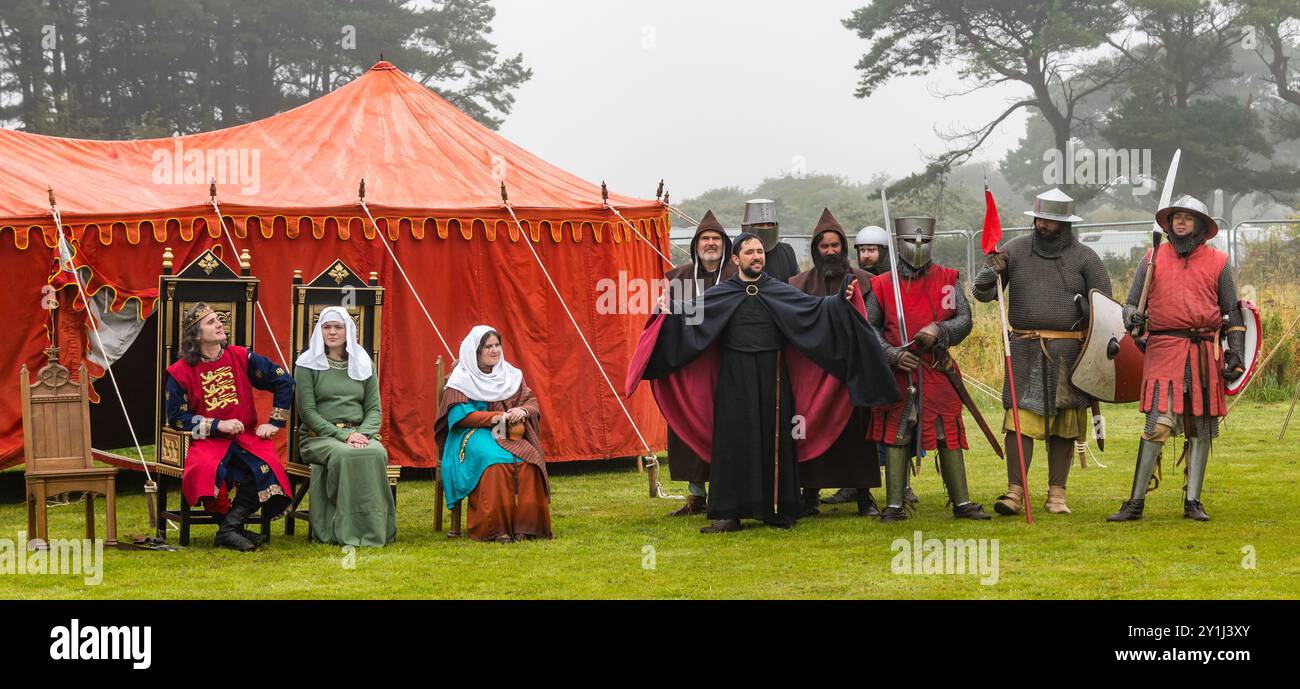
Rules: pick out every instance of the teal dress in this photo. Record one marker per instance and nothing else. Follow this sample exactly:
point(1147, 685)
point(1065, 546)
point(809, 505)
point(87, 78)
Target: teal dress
point(462, 468)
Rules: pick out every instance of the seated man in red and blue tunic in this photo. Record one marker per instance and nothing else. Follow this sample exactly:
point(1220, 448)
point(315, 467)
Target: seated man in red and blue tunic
point(209, 394)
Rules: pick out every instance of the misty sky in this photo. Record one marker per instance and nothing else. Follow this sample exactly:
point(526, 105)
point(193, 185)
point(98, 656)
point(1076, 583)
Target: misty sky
point(710, 93)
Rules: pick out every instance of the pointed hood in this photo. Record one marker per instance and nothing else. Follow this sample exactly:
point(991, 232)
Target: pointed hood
point(828, 223)
point(710, 223)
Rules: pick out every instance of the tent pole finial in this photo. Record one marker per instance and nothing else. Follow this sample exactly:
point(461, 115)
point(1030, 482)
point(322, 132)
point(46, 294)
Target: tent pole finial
point(212, 189)
point(666, 202)
point(504, 198)
point(361, 190)
point(51, 193)
point(604, 193)
point(659, 193)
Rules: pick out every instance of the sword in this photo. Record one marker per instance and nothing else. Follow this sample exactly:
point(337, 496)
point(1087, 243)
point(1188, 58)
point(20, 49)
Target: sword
point(945, 364)
point(914, 402)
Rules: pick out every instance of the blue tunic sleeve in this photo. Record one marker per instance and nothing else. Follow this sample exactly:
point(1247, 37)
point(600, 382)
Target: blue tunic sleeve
point(265, 374)
point(179, 415)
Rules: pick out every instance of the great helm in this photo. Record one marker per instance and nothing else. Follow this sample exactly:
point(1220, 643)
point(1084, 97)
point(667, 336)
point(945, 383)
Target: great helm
point(914, 235)
point(762, 212)
point(759, 211)
point(1187, 204)
point(872, 235)
point(1053, 204)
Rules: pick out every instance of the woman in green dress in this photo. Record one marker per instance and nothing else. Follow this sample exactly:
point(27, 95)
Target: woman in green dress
point(339, 414)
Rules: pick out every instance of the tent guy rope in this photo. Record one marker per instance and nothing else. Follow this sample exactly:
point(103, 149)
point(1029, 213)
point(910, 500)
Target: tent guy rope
point(225, 231)
point(66, 263)
point(649, 456)
point(361, 200)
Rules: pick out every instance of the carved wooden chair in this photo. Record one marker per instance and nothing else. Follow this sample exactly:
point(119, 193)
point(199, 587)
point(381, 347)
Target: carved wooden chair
point(234, 297)
point(337, 285)
point(56, 447)
point(440, 497)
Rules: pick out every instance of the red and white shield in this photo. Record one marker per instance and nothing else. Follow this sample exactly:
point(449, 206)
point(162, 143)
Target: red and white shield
point(1254, 337)
point(1109, 366)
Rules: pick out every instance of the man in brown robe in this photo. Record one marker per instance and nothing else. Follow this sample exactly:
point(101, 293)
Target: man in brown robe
point(707, 267)
point(853, 461)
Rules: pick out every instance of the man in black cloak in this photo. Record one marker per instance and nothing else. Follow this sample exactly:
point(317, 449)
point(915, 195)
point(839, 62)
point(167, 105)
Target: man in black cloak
point(744, 384)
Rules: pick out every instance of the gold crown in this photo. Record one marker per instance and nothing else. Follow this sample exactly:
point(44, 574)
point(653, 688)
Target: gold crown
point(198, 316)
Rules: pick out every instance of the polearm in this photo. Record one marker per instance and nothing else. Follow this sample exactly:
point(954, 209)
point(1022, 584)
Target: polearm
point(991, 219)
point(1157, 234)
point(914, 390)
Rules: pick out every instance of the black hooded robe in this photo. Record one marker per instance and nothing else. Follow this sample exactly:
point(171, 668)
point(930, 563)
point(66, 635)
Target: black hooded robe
point(753, 447)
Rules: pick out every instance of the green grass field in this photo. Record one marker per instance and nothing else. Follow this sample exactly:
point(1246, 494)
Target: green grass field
point(606, 527)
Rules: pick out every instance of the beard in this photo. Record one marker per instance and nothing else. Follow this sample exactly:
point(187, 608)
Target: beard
point(1043, 232)
point(832, 267)
point(753, 270)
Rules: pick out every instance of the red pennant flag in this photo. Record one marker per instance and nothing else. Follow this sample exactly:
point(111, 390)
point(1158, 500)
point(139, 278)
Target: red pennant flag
point(992, 225)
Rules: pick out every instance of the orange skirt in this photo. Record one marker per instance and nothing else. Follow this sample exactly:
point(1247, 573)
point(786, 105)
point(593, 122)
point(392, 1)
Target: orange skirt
point(510, 500)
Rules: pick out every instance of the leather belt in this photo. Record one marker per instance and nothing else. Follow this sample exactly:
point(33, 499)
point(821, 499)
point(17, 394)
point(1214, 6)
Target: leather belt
point(1044, 335)
point(1049, 334)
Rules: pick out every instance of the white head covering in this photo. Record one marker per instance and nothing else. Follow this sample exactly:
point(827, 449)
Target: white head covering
point(499, 385)
point(359, 366)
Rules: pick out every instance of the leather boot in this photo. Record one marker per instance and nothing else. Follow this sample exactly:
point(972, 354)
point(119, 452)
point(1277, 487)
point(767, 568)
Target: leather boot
point(1010, 503)
point(866, 504)
point(228, 535)
point(1130, 511)
point(694, 505)
point(970, 510)
point(892, 513)
point(722, 526)
point(842, 496)
point(251, 503)
point(1193, 509)
point(1056, 500)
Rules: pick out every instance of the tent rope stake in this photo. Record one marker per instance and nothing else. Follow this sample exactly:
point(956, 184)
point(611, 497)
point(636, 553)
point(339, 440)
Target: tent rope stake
point(66, 263)
point(361, 200)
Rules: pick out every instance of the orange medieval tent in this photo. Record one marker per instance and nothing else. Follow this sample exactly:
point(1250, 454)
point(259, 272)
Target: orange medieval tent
point(288, 188)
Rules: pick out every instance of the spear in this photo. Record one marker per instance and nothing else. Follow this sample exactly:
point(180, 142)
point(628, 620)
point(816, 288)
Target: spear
point(989, 242)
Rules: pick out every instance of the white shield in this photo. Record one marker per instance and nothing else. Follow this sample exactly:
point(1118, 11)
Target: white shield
point(1109, 367)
